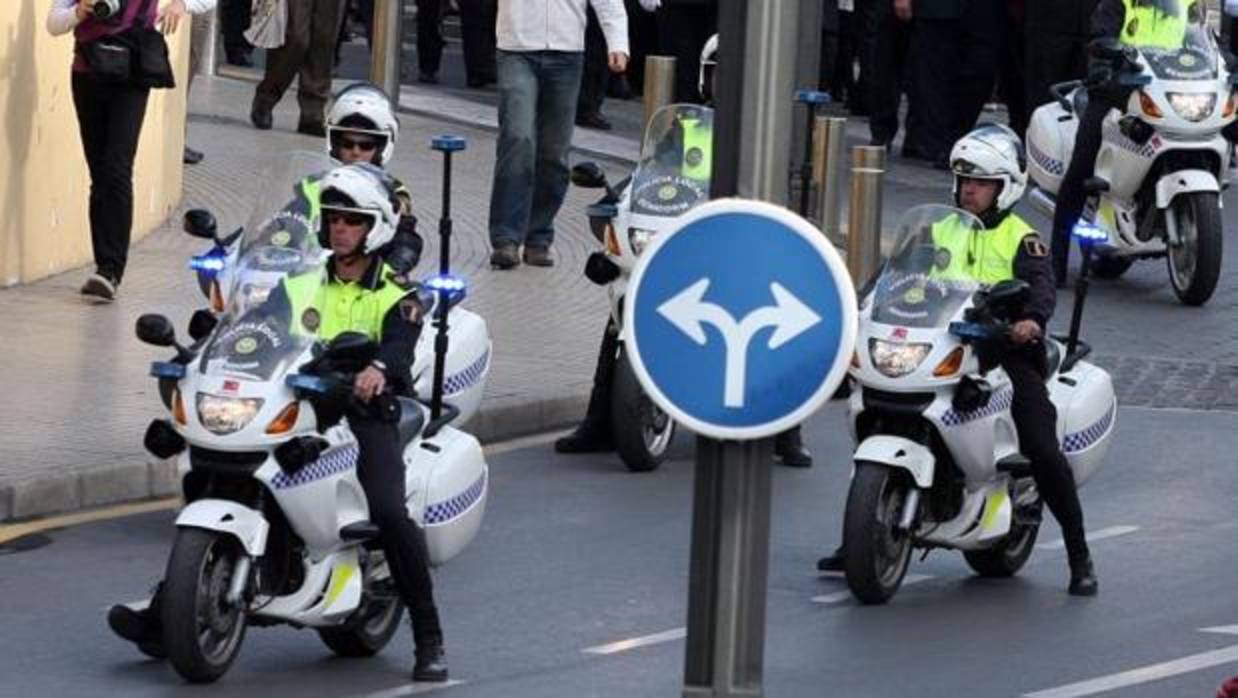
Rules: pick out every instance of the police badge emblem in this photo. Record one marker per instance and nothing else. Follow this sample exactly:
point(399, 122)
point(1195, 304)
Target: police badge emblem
point(310, 320)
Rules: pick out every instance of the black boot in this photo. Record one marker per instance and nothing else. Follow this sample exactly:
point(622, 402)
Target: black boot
point(588, 438)
point(142, 628)
point(593, 434)
point(837, 562)
point(1083, 578)
point(789, 448)
point(431, 664)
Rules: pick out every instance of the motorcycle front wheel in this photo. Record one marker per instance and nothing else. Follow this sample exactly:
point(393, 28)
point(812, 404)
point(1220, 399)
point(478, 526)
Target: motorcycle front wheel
point(202, 632)
point(641, 430)
point(1195, 262)
point(878, 554)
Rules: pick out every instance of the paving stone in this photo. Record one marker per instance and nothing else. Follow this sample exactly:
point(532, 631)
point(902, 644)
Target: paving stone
point(118, 483)
point(45, 494)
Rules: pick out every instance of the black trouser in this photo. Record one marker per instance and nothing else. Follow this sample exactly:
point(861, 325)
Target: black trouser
point(884, 42)
point(643, 40)
point(1070, 195)
point(1050, 58)
point(1035, 420)
point(955, 66)
point(235, 16)
point(477, 27)
point(307, 55)
point(109, 118)
point(380, 468)
point(595, 74)
point(682, 32)
point(429, 35)
point(597, 414)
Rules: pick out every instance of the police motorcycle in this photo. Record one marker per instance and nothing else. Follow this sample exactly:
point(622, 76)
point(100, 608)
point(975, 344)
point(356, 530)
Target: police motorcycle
point(937, 462)
point(1159, 172)
point(250, 266)
point(276, 527)
point(671, 178)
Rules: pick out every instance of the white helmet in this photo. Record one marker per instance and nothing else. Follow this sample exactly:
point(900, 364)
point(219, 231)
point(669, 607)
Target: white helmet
point(992, 151)
point(363, 108)
point(359, 188)
point(709, 63)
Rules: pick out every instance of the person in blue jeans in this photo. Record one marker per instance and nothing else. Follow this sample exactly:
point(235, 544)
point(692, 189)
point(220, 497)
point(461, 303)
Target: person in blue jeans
point(540, 57)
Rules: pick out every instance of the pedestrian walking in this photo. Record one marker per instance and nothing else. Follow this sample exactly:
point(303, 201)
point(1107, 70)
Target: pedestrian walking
point(109, 97)
point(306, 55)
point(477, 27)
point(429, 40)
point(594, 77)
point(541, 47)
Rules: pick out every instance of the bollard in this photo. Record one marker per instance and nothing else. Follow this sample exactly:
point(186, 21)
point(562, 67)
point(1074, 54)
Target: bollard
point(385, 51)
point(802, 178)
point(208, 45)
point(659, 85)
point(864, 225)
point(829, 141)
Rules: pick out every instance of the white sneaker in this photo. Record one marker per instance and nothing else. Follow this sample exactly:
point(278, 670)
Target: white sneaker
point(100, 288)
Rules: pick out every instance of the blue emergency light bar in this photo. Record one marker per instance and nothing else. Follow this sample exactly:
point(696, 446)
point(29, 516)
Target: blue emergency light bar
point(1087, 233)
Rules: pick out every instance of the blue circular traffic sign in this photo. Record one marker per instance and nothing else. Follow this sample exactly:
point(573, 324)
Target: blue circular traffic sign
point(741, 321)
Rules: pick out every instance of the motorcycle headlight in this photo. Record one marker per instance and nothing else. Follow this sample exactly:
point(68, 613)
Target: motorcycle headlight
point(897, 359)
point(226, 415)
point(639, 239)
point(1193, 106)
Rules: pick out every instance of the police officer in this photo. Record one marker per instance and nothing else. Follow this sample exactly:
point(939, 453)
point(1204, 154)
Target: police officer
point(360, 295)
point(695, 143)
point(990, 175)
point(1135, 23)
point(1055, 49)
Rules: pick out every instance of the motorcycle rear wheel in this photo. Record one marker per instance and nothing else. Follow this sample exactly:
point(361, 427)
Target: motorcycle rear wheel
point(202, 632)
point(1007, 557)
point(878, 555)
point(372, 627)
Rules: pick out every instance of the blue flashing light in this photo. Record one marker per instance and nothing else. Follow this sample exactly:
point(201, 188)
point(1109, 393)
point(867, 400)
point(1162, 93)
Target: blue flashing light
point(812, 97)
point(210, 263)
point(448, 144)
point(309, 384)
point(167, 369)
point(446, 284)
point(1089, 234)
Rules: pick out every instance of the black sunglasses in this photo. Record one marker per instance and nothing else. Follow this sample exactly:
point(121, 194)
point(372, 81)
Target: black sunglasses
point(345, 142)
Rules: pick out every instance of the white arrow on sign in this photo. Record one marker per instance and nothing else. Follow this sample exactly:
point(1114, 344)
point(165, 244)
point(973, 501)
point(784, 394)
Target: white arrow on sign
point(1152, 672)
point(689, 312)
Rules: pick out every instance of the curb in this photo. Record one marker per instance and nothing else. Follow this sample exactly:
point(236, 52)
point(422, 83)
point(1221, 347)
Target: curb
point(155, 479)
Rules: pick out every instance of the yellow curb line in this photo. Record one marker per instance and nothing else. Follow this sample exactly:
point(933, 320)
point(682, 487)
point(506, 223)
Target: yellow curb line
point(13, 531)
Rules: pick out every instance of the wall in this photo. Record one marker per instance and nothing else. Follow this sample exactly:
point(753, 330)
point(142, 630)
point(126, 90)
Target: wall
point(44, 185)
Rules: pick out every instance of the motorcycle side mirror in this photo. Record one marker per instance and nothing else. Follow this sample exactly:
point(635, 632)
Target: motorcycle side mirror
point(352, 347)
point(156, 330)
point(588, 175)
point(201, 324)
point(200, 223)
point(1107, 48)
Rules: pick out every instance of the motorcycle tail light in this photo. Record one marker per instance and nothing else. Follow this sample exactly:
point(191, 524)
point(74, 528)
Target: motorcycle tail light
point(178, 408)
point(1148, 105)
point(950, 365)
point(286, 420)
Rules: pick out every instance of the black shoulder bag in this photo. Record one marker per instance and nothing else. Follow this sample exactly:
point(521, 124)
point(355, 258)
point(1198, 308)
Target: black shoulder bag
point(137, 56)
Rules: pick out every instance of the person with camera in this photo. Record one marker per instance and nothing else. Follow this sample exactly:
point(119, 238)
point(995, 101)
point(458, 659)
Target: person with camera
point(111, 104)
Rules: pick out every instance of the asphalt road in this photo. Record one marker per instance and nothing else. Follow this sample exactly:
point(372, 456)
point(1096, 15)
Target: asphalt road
point(576, 554)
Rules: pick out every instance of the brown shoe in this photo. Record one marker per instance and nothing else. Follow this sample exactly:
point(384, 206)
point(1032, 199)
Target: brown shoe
point(505, 256)
point(538, 257)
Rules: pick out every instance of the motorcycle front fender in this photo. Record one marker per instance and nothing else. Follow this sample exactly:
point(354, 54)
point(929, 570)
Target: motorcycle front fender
point(897, 452)
point(248, 526)
point(1182, 182)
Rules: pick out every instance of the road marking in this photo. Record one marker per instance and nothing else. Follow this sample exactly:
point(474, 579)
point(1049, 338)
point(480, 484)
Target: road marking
point(1153, 672)
point(1102, 534)
point(12, 531)
point(841, 596)
point(645, 641)
point(1222, 629)
point(411, 690)
point(523, 442)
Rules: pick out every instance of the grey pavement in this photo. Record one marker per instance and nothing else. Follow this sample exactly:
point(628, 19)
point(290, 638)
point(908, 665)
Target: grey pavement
point(575, 553)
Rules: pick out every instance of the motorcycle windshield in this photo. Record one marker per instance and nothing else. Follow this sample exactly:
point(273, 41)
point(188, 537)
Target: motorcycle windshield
point(675, 166)
point(1196, 57)
point(261, 341)
point(281, 236)
point(926, 279)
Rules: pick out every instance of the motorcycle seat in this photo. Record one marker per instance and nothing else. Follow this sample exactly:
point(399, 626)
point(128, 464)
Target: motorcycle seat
point(359, 531)
point(412, 420)
point(1016, 465)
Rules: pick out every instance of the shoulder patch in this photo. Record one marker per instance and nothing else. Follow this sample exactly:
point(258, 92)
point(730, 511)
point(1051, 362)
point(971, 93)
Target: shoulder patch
point(1034, 247)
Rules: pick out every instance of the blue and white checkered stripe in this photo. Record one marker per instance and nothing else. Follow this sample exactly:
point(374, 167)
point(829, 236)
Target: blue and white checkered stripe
point(462, 381)
point(1081, 440)
point(332, 463)
point(442, 512)
point(998, 403)
point(1051, 165)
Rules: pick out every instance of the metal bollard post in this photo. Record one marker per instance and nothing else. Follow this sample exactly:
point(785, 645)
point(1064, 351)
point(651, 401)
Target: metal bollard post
point(208, 61)
point(385, 53)
point(864, 226)
point(659, 85)
point(829, 141)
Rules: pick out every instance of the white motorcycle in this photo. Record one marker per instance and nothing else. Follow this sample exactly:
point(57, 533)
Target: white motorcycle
point(249, 266)
point(1161, 164)
point(937, 463)
point(276, 527)
point(671, 178)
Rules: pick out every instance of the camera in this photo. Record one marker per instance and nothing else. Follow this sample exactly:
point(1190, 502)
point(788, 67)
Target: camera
point(106, 9)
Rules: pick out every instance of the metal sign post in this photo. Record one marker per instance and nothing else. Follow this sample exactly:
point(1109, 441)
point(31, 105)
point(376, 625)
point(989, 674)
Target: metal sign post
point(385, 52)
